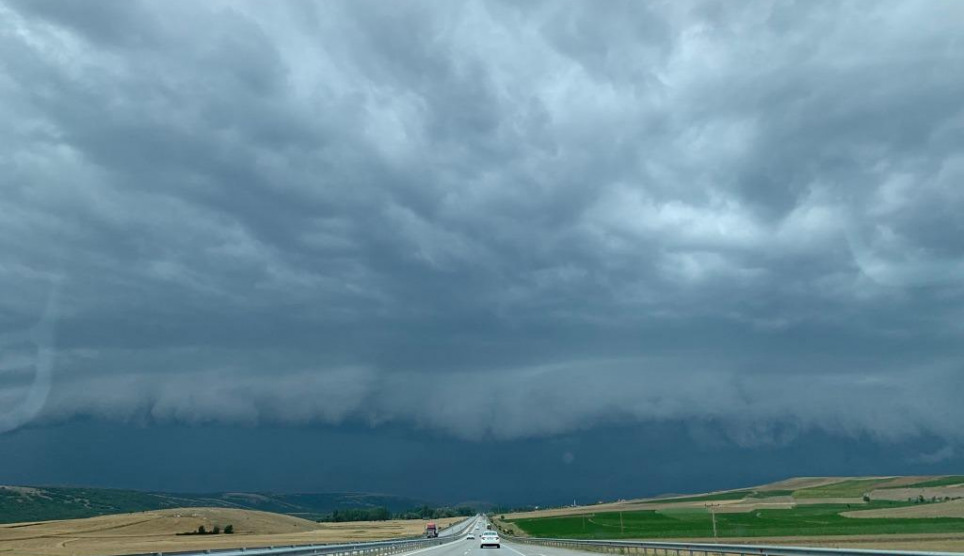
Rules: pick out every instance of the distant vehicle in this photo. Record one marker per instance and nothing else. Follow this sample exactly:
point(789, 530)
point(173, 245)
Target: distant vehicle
point(431, 531)
point(471, 537)
point(490, 538)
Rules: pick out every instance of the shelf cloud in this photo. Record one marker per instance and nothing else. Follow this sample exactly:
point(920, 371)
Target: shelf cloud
point(485, 219)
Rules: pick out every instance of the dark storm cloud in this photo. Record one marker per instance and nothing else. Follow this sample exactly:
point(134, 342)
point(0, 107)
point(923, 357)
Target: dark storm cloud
point(355, 212)
point(666, 457)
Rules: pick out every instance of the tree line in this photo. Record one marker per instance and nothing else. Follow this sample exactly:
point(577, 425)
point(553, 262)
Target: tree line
point(384, 514)
point(216, 530)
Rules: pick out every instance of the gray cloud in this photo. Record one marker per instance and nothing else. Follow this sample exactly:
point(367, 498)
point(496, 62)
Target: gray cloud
point(317, 213)
point(752, 406)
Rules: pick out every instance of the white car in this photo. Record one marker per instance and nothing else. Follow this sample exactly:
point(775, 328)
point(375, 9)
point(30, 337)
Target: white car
point(490, 538)
point(471, 537)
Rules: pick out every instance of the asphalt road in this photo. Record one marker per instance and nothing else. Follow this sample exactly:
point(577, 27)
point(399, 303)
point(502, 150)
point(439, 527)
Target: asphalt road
point(457, 529)
point(465, 547)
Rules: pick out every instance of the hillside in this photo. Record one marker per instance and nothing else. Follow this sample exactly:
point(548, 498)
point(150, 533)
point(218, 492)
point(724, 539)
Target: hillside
point(785, 493)
point(19, 503)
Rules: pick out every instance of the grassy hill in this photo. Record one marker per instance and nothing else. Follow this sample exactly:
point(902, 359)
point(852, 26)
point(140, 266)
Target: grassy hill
point(19, 504)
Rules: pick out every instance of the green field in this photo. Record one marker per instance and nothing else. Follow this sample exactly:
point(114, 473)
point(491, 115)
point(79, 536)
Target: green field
point(810, 520)
point(943, 481)
point(732, 495)
point(854, 488)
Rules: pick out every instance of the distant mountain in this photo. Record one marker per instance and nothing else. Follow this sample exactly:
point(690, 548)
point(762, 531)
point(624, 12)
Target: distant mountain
point(18, 503)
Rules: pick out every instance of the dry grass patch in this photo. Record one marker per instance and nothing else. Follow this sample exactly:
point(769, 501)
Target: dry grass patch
point(953, 508)
point(900, 494)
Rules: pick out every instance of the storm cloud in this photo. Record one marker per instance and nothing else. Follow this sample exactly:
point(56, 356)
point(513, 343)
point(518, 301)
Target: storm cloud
point(489, 219)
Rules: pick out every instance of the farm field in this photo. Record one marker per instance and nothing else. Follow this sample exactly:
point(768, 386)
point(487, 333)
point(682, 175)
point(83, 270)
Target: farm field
point(804, 520)
point(854, 488)
point(916, 512)
point(953, 508)
point(157, 531)
point(785, 494)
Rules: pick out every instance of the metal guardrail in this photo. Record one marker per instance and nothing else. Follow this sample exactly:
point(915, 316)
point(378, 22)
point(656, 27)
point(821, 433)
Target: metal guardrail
point(374, 548)
point(649, 548)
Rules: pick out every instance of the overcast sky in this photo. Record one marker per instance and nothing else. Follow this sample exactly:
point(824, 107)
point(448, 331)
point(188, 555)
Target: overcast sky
point(457, 226)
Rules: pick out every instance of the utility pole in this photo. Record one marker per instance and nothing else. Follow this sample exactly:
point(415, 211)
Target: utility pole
point(623, 529)
point(713, 516)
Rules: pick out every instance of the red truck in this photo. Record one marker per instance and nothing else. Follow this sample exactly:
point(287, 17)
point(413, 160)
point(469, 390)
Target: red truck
point(431, 531)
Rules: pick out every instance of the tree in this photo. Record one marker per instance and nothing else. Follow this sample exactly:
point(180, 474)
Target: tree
point(866, 498)
point(217, 530)
point(201, 530)
point(229, 529)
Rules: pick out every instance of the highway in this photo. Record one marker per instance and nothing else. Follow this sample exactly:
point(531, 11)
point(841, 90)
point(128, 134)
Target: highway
point(465, 547)
point(471, 548)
